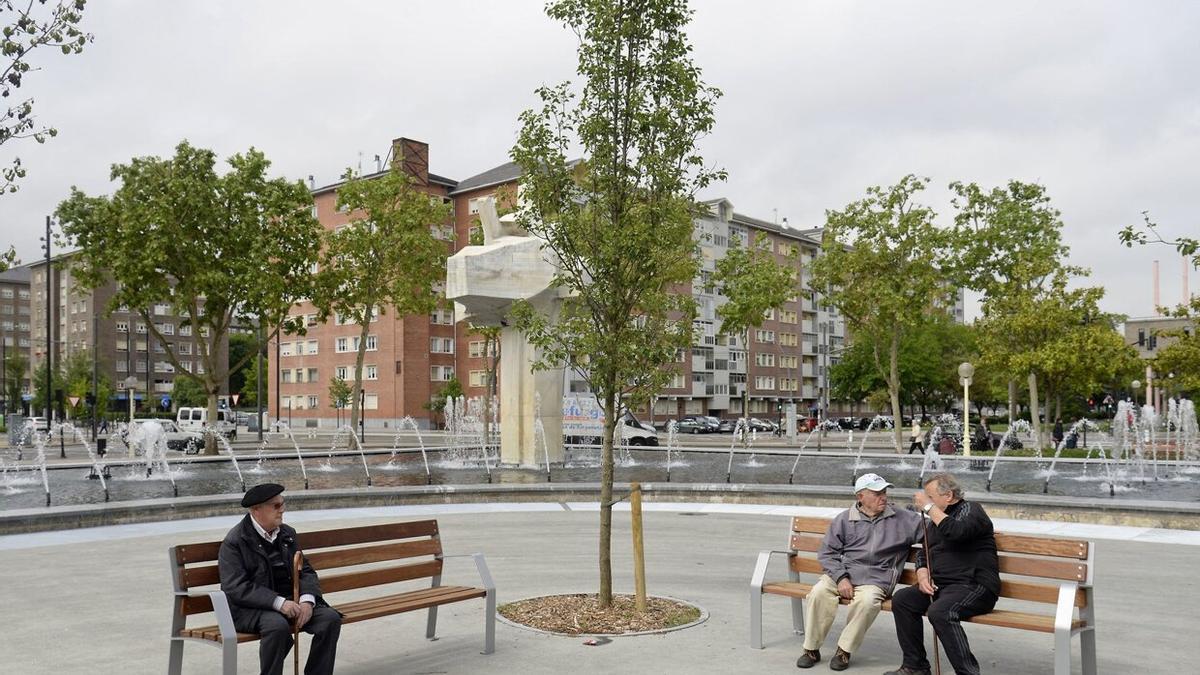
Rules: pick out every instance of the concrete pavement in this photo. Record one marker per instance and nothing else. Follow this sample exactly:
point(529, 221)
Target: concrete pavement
point(99, 599)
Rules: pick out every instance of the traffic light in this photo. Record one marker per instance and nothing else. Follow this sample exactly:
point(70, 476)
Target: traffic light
point(90, 399)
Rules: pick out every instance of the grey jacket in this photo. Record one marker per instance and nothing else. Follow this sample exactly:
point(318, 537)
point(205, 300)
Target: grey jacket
point(869, 551)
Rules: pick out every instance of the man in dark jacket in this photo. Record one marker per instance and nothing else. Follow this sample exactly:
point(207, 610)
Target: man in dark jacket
point(964, 582)
point(862, 555)
point(256, 575)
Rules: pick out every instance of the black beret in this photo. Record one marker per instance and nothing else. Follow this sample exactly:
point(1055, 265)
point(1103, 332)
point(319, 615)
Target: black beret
point(261, 493)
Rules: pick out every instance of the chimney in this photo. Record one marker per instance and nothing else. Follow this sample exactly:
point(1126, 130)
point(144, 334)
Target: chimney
point(312, 183)
point(412, 157)
point(1155, 276)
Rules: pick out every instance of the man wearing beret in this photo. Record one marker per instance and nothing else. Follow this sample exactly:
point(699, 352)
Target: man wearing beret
point(256, 575)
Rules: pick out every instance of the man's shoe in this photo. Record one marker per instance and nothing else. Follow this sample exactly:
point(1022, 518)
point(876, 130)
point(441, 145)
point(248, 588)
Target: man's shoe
point(905, 670)
point(809, 658)
point(840, 660)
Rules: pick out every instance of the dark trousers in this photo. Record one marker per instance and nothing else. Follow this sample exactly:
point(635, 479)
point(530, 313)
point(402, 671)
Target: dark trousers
point(325, 626)
point(945, 610)
point(915, 445)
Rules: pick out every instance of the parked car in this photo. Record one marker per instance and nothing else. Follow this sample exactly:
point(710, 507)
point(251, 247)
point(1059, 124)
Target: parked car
point(690, 425)
point(39, 423)
point(703, 424)
point(847, 423)
point(993, 442)
point(757, 424)
point(727, 426)
point(189, 442)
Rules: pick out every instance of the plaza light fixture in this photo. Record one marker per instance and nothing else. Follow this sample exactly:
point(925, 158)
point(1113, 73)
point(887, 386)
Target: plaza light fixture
point(965, 371)
point(1136, 384)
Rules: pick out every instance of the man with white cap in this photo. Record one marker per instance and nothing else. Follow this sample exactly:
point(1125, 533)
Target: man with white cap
point(862, 555)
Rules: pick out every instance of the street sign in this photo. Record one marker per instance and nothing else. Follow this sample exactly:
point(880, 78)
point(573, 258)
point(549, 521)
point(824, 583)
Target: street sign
point(235, 398)
point(165, 402)
point(74, 400)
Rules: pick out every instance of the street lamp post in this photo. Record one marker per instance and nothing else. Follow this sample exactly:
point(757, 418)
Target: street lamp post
point(965, 371)
point(1135, 385)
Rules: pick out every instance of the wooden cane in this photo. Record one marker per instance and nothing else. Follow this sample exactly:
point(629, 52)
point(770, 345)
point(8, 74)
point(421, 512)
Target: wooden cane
point(937, 661)
point(296, 562)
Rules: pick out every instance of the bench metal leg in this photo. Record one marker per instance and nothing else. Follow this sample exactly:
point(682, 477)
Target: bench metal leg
point(431, 622)
point(1087, 638)
point(229, 657)
point(756, 618)
point(489, 623)
point(798, 616)
point(175, 659)
point(1063, 615)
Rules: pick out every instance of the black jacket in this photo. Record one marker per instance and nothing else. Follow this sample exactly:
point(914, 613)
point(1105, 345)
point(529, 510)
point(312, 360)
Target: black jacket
point(963, 548)
point(246, 571)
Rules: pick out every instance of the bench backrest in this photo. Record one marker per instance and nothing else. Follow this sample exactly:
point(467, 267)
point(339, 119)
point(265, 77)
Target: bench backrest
point(415, 543)
point(1031, 568)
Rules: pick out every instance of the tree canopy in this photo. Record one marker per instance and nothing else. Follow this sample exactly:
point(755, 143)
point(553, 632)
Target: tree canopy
point(219, 249)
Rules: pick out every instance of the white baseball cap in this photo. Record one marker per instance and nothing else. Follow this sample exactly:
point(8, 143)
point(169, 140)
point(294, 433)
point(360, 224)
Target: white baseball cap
point(871, 481)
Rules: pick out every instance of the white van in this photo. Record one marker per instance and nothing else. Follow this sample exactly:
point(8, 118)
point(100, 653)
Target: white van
point(195, 419)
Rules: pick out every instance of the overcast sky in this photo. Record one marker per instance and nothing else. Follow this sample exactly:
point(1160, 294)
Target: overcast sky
point(1098, 101)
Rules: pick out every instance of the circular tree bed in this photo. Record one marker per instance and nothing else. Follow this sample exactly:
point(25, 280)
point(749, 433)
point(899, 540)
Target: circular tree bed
point(581, 615)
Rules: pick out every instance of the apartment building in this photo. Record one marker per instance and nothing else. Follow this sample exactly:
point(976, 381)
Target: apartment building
point(786, 360)
point(15, 331)
point(121, 343)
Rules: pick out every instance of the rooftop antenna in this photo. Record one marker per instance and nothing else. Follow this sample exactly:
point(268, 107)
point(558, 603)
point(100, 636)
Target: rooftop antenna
point(785, 222)
point(378, 164)
point(360, 162)
point(312, 183)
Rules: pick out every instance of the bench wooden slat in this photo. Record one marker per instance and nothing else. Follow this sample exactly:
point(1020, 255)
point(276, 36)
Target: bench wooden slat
point(367, 533)
point(446, 595)
point(194, 553)
point(810, 525)
point(202, 575)
point(340, 582)
point(198, 605)
point(327, 559)
point(1047, 569)
point(1059, 548)
point(1016, 590)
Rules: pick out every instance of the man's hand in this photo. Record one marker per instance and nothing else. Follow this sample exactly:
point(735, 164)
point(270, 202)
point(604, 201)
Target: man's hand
point(290, 609)
point(306, 612)
point(921, 499)
point(924, 582)
point(846, 589)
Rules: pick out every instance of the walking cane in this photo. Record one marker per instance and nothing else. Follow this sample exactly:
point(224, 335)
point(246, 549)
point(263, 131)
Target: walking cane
point(296, 562)
point(937, 661)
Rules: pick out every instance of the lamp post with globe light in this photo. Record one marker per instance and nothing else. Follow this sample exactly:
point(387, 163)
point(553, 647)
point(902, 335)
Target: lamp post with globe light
point(1134, 385)
point(965, 371)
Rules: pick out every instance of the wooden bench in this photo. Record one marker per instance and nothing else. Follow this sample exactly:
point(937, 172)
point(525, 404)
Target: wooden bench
point(363, 557)
point(1055, 572)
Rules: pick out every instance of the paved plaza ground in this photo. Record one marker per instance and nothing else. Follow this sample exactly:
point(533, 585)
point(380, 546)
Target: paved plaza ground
point(98, 600)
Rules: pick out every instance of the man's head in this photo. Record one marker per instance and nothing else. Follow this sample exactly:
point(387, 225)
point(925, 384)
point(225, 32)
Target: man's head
point(266, 505)
point(871, 492)
point(943, 490)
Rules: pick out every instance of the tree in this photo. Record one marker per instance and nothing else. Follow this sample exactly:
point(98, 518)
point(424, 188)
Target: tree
point(221, 250)
point(1182, 356)
point(241, 350)
point(387, 256)
point(339, 394)
point(881, 266)
point(617, 224)
point(188, 392)
point(1186, 246)
point(14, 374)
point(1009, 247)
point(39, 387)
point(452, 390)
point(251, 376)
point(25, 30)
point(77, 382)
point(8, 259)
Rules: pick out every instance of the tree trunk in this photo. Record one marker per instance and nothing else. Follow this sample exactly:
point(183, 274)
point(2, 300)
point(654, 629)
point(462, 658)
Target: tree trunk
point(1057, 406)
point(356, 392)
point(1012, 401)
point(606, 497)
point(1034, 411)
point(894, 390)
point(210, 440)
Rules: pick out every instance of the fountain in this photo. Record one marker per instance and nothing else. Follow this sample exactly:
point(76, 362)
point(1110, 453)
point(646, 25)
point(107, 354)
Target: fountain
point(1071, 434)
point(1017, 426)
point(408, 421)
point(539, 432)
point(825, 425)
point(741, 432)
point(672, 444)
point(883, 422)
point(224, 443)
point(283, 429)
point(357, 443)
point(98, 471)
point(148, 440)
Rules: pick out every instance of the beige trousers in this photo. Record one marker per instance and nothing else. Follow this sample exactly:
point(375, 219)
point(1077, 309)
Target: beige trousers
point(820, 608)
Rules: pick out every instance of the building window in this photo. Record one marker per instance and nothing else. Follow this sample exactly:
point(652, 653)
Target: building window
point(372, 343)
point(185, 331)
point(441, 345)
point(162, 309)
point(478, 378)
point(765, 335)
point(342, 372)
point(441, 373)
point(370, 373)
point(766, 360)
point(141, 328)
point(285, 349)
point(678, 381)
point(285, 376)
point(122, 326)
point(312, 374)
point(443, 317)
point(312, 346)
point(342, 344)
point(313, 402)
point(122, 367)
point(185, 348)
point(370, 401)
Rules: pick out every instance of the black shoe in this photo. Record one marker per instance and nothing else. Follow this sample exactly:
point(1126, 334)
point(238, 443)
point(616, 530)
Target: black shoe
point(905, 670)
point(840, 660)
point(809, 658)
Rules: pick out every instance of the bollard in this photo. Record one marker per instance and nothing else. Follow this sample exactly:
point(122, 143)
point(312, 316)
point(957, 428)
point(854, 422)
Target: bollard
point(639, 554)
